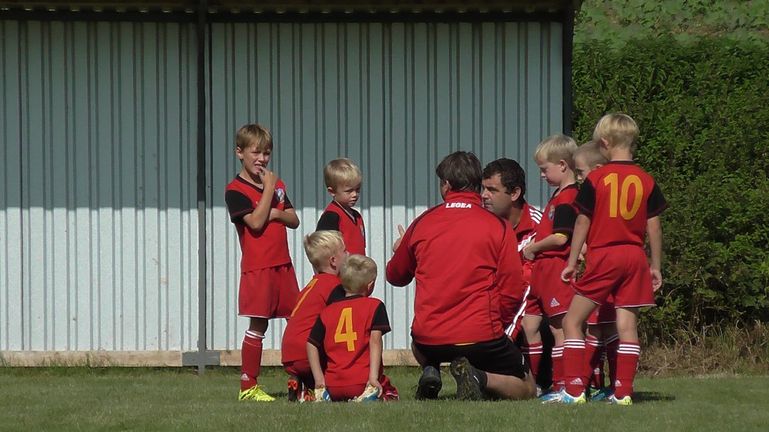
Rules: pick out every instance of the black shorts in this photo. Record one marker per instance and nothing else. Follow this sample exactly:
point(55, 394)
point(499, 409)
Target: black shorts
point(499, 356)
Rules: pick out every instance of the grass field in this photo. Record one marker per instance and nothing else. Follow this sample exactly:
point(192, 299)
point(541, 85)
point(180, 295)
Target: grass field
point(81, 399)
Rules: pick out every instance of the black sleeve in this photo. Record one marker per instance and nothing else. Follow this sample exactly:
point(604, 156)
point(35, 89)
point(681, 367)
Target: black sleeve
point(317, 334)
point(564, 218)
point(238, 205)
point(656, 203)
point(585, 200)
point(335, 295)
point(381, 322)
point(286, 202)
point(328, 221)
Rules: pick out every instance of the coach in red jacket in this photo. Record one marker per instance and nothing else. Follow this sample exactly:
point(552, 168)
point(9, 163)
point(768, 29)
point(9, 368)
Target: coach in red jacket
point(468, 277)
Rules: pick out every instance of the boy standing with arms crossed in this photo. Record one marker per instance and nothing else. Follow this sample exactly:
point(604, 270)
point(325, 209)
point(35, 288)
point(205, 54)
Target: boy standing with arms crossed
point(555, 157)
point(349, 332)
point(343, 181)
point(260, 209)
point(326, 252)
point(619, 203)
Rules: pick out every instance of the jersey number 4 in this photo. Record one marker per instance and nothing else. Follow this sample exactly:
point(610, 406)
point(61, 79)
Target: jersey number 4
point(344, 332)
point(619, 196)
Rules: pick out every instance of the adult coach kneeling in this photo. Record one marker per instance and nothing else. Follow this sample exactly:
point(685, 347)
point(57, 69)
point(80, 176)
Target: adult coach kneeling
point(468, 274)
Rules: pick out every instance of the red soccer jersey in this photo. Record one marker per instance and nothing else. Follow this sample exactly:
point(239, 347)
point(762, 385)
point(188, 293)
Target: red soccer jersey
point(558, 218)
point(619, 198)
point(350, 321)
point(259, 249)
point(320, 291)
point(349, 223)
point(526, 233)
point(468, 274)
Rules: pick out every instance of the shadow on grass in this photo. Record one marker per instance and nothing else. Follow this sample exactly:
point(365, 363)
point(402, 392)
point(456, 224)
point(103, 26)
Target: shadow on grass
point(652, 397)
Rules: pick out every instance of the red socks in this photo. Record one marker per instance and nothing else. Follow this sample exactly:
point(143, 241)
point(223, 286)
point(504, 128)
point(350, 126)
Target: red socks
point(533, 355)
point(251, 359)
point(574, 365)
point(558, 367)
point(627, 365)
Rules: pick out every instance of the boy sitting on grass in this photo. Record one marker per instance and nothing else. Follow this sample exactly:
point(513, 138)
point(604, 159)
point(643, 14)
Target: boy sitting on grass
point(352, 349)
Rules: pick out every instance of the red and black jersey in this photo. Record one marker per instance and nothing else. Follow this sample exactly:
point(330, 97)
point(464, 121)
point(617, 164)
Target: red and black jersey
point(526, 233)
point(558, 218)
point(467, 270)
point(319, 292)
point(259, 249)
point(349, 223)
point(342, 332)
point(619, 198)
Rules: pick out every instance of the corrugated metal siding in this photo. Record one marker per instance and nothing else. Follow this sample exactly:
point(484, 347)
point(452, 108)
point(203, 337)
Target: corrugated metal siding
point(396, 98)
point(97, 213)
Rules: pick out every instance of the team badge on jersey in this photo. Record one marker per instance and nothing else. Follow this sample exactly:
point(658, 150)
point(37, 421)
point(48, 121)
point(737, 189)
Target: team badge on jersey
point(551, 212)
point(280, 193)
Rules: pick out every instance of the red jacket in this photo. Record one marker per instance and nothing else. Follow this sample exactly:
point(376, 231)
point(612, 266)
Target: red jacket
point(467, 270)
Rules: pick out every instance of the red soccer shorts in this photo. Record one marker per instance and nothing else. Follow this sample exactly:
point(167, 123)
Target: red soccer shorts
point(268, 293)
point(532, 305)
point(554, 294)
point(621, 270)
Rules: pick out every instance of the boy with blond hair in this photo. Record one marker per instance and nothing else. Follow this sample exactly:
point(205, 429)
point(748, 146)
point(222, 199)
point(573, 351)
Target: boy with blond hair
point(349, 334)
point(601, 339)
point(326, 252)
point(343, 181)
point(619, 205)
point(259, 207)
point(555, 158)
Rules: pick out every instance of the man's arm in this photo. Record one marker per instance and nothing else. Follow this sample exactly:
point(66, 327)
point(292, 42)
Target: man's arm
point(401, 267)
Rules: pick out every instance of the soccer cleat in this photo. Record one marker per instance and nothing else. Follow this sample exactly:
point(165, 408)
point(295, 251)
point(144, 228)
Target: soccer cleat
point(294, 389)
point(429, 383)
point(255, 393)
point(306, 395)
point(568, 399)
point(468, 385)
point(322, 395)
point(550, 397)
point(370, 394)
point(625, 401)
point(597, 395)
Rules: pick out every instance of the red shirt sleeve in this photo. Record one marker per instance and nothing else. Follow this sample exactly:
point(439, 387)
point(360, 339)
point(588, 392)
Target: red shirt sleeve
point(509, 277)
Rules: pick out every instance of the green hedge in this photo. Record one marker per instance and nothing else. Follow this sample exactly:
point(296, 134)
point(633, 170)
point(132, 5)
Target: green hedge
point(703, 110)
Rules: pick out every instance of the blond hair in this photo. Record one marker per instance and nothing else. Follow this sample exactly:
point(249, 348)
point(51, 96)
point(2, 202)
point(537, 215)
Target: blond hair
point(253, 134)
point(320, 246)
point(619, 130)
point(341, 171)
point(591, 152)
point(556, 148)
point(356, 273)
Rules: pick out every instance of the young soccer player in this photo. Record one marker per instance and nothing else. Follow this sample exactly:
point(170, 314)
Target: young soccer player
point(601, 339)
point(555, 158)
point(504, 189)
point(260, 209)
point(349, 334)
point(343, 181)
point(326, 252)
point(619, 205)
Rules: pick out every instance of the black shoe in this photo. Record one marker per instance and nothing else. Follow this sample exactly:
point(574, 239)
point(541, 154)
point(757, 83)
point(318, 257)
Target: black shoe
point(429, 384)
point(468, 384)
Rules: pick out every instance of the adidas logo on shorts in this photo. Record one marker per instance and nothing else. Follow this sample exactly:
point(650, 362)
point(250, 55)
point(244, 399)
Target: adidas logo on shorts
point(554, 303)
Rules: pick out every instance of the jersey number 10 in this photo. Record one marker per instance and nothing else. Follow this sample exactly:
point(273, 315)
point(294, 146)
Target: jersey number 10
point(619, 197)
point(344, 332)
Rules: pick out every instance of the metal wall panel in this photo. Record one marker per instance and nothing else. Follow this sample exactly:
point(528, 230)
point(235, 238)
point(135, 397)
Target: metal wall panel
point(98, 221)
point(396, 98)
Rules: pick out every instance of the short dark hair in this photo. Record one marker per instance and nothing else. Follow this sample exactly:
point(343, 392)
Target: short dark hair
point(511, 175)
point(462, 170)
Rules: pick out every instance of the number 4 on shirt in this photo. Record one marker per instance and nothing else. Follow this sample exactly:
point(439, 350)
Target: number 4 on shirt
point(344, 331)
